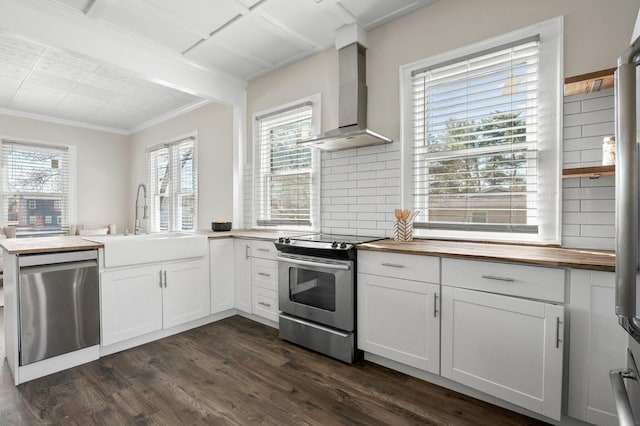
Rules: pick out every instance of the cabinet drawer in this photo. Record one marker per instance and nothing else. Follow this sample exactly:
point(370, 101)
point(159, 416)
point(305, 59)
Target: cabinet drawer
point(264, 273)
point(264, 250)
point(265, 303)
point(407, 266)
point(533, 282)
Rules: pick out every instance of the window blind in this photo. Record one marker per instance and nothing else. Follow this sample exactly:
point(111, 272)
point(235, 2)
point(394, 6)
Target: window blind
point(283, 178)
point(35, 197)
point(475, 141)
point(173, 186)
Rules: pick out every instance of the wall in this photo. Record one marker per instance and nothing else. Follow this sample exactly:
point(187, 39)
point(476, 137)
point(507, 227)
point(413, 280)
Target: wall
point(364, 193)
point(102, 179)
point(214, 124)
point(588, 204)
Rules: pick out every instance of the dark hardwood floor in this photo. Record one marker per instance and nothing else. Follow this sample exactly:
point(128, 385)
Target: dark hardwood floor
point(235, 371)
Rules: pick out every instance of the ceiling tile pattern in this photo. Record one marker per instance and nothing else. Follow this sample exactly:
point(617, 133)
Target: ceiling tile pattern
point(243, 38)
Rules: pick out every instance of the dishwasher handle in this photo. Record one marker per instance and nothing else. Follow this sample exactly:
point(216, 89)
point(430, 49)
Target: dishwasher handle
point(58, 267)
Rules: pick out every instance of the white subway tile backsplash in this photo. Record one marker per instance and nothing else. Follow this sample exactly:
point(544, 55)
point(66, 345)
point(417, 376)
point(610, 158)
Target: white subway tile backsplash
point(370, 216)
point(597, 205)
point(378, 165)
point(588, 204)
point(598, 129)
point(597, 104)
point(601, 231)
point(572, 108)
point(361, 192)
point(377, 199)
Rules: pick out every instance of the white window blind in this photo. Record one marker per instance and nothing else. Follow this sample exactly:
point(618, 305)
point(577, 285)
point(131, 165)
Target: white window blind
point(475, 141)
point(173, 186)
point(35, 197)
point(284, 194)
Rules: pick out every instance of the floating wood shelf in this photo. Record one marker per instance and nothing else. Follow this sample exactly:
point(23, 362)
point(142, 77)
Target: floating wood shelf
point(589, 172)
point(589, 83)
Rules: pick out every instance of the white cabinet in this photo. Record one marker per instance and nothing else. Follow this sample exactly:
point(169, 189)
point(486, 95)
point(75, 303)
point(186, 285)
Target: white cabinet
point(264, 280)
point(186, 292)
point(398, 317)
point(140, 300)
point(505, 346)
point(131, 303)
point(598, 344)
point(242, 262)
point(256, 278)
point(221, 266)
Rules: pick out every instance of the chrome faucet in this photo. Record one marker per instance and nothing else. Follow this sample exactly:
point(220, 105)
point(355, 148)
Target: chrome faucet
point(145, 210)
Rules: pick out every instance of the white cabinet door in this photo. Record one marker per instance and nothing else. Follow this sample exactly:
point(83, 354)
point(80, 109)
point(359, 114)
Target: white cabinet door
point(598, 344)
point(242, 261)
point(504, 346)
point(221, 264)
point(131, 303)
point(399, 319)
point(186, 294)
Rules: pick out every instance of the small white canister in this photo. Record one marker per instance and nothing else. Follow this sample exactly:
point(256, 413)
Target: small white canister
point(609, 151)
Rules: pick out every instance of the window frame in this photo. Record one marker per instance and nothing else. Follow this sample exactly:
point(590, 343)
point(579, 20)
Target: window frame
point(316, 109)
point(549, 132)
point(71, 183)
point(175, 197)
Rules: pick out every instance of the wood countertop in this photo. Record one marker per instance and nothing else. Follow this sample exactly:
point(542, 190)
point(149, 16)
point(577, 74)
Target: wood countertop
point(252, 234)
point(47, 244)
point(600, 260)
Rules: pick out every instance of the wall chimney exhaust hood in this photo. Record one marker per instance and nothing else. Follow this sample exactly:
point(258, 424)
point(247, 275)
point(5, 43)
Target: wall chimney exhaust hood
point(352, 113)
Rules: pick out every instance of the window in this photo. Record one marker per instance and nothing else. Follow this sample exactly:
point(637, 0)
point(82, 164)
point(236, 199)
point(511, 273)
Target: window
point(36, 186)
point(173, 186)
point(286, 184)
point(481, 153)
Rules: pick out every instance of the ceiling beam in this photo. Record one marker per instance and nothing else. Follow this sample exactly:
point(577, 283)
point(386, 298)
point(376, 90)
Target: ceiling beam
point(56, 26)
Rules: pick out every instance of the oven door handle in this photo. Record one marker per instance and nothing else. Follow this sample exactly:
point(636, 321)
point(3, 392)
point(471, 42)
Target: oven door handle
point(315, 264)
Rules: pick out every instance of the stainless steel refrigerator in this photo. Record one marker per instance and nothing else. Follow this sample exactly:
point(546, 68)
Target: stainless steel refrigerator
point(624, 381)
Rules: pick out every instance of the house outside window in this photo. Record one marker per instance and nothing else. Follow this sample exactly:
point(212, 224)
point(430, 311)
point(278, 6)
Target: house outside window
point(173, 186)
point(286, 175)
point(481, 138)
point(37, 186)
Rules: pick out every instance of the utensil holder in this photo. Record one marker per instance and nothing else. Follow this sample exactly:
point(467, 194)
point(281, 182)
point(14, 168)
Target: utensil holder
point(403, 231)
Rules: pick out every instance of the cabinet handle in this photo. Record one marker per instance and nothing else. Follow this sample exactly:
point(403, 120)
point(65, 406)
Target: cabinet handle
point(160, 273)
point(435, 305)
point(165, 278)
point(264, 274)
point(393, 265)
point(494, 277)
point(268, 305)
point(263, 249)
point(246, 251)
point(558, 322)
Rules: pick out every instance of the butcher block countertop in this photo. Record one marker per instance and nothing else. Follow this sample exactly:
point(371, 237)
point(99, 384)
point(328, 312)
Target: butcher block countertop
point(47, 244)
point(600, 260)
point(252, 234)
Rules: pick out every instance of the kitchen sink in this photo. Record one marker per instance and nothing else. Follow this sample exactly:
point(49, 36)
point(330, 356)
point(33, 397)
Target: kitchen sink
point(123, 250)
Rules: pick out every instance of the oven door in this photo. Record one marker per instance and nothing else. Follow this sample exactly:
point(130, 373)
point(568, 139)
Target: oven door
point(317, 289)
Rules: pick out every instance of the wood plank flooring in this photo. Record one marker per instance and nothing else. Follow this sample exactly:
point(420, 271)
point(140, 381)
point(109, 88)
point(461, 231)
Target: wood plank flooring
point(236, 372)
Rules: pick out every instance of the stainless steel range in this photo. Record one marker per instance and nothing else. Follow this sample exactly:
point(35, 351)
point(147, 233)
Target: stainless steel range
point(317, 292)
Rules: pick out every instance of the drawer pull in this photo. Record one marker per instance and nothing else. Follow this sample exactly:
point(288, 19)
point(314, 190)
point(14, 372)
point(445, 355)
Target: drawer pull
point(494, 277)
point(160, 273)
point(246, 251)
point(264, 274)
point(435, 305)
point(558, 322)
point(268, 305)
point(393, 265)
point(263, 249)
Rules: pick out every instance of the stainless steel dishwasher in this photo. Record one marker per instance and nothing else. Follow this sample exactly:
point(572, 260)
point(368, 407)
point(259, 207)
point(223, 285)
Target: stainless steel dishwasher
point(59, 304)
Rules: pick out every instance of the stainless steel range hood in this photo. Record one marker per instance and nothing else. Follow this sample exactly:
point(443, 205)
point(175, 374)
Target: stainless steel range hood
point(352, 113)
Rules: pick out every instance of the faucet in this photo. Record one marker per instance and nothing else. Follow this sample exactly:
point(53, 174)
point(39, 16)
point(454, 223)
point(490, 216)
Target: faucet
point(145, 211)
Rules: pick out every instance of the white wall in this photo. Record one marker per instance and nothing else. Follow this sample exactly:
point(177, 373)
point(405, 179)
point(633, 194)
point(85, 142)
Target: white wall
point(214, 124)
point(102, 166)
point(359, 187)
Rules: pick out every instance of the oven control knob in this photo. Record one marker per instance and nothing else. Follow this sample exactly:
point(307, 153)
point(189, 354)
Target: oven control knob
point(281, 240)
point(287, 240)
point(343, 245)
point(334, 244)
